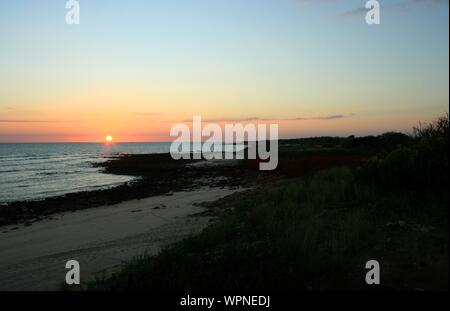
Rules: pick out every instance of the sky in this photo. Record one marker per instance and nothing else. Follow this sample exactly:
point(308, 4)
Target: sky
point(134, 68)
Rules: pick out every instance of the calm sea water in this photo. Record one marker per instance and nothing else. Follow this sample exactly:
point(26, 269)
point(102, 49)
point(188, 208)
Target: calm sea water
point(36, 171)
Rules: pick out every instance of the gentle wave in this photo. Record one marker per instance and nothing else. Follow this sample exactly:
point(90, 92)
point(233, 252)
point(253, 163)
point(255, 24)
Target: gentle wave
point(37, 171)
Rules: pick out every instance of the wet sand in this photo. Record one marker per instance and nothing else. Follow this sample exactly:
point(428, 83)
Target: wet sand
point(34, 257)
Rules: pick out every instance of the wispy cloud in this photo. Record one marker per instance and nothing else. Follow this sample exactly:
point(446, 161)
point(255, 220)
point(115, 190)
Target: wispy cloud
point(231, 120)
point(356, 11)
point(137, 113)
point(37, 121)
point(402, 5)
point(333, 117)
point(250, 119)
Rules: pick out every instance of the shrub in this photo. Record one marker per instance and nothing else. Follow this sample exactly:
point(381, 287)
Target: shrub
point(421, 164)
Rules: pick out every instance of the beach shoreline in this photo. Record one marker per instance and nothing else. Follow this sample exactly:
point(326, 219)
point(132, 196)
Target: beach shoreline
point(34, 257)
point(169, 201)
point(156, 174)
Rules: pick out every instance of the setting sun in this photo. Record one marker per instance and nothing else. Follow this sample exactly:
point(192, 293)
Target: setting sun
point(109, 138)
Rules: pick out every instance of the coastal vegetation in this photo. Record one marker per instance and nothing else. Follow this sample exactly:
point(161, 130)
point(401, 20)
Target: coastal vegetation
point(334, 204)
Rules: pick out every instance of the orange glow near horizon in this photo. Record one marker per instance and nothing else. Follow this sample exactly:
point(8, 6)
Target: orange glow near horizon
point(140, 127)
point(249, 62)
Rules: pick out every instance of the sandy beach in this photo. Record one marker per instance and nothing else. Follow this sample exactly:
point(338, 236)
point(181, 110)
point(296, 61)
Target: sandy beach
point(33, 257)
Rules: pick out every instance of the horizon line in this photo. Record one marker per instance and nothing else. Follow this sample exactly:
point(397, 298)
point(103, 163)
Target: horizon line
point(137, 142)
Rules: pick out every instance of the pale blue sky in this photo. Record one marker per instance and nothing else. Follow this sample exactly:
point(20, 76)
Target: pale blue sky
point(226, 59)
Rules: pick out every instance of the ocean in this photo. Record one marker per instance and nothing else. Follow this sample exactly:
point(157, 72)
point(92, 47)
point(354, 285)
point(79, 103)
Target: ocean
point(33, 171)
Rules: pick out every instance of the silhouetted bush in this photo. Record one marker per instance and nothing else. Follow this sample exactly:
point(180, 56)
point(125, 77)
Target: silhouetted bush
point(422, 163)
point(382, 143)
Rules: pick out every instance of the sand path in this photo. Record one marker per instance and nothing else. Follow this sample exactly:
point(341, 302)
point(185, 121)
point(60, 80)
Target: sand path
point(34, 257)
